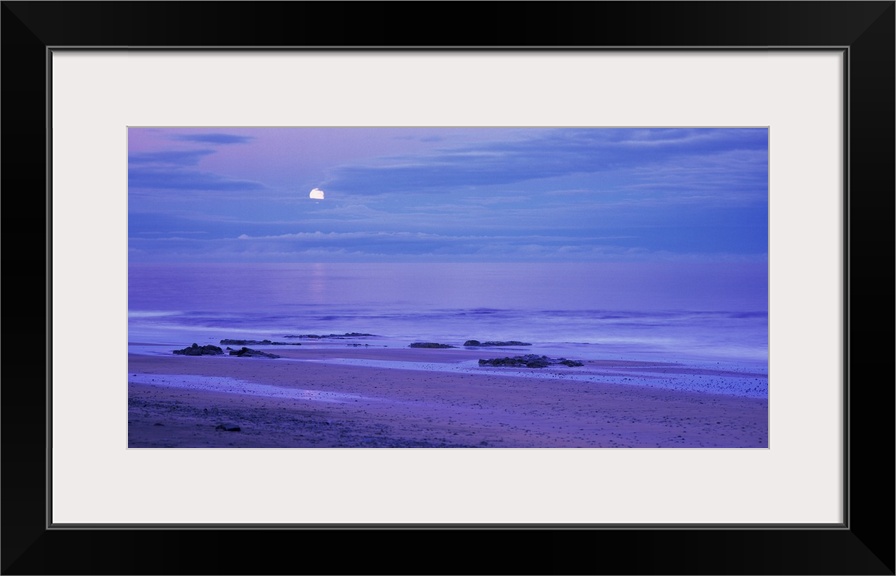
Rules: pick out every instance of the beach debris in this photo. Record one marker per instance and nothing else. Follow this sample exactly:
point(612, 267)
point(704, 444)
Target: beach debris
point(228, 427)
point(233, 342)
point(430, 345)
point(529, 361)
point(197, 350)
point(495, 343)
point(250, 353)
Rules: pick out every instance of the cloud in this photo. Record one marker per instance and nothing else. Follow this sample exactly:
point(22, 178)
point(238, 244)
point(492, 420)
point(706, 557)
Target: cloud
point(172, 170)
point(548, 154)
point(373, 247)
point(214, 138)
point(155, 179)
point(459, 245)
point(170, 158)
point(537, 194)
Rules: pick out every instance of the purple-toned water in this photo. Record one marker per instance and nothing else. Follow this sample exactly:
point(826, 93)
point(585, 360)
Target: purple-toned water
point(698, 313)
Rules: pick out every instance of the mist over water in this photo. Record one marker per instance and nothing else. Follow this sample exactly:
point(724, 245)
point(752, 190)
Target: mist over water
point(640, 311)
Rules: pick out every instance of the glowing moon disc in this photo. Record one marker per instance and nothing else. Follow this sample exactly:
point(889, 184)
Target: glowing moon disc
point(316, 194)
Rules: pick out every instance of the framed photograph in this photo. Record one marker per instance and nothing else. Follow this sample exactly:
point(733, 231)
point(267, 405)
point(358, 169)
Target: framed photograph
point(474, 287)
point(710, 202)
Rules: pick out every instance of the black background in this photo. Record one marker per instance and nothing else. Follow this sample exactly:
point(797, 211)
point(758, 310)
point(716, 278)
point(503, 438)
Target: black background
point(865, 545)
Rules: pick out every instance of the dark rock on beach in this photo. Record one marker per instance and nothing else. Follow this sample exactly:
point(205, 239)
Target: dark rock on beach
point(256, 343)
point(250, 353)
point(495, 343)
point(529, 361)
point(430, 345)
point(228, 427)
point(197, 350)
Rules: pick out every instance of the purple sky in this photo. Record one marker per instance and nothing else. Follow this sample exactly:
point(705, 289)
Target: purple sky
point(447, 195)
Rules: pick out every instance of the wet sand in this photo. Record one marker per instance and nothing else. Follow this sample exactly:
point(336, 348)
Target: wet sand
point(419, 398)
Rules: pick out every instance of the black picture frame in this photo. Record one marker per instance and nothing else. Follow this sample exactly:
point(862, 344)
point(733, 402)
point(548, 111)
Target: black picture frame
point(864, 544)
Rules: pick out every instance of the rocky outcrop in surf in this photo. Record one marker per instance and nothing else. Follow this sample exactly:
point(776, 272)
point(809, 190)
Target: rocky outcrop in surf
point(197, 350)
point(232, 342)
point(333, 336)
point(430, 345)
point(478, 344)
point(529, 361)
point(250, 353)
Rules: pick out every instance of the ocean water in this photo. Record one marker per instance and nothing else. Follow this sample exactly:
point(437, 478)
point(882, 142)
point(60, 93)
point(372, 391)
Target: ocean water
point(698, 313)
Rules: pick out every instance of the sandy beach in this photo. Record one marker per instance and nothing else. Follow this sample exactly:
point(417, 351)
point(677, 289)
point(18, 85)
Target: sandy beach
point(366, 397)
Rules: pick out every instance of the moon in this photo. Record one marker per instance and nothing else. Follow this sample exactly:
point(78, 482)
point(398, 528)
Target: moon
point(316, 194)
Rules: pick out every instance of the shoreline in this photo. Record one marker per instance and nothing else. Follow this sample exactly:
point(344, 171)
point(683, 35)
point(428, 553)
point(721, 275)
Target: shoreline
point(364, 397)
point(687, 376)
